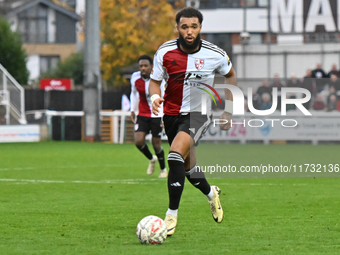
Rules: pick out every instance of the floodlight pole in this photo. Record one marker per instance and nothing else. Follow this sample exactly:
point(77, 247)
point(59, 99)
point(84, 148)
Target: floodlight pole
point(92, 75)
point(268, 39)
point(243, 43)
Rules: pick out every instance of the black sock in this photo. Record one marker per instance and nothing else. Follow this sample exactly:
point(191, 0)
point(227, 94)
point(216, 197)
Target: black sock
point(176, 179)
point(197, 178)
point(145, 150)
point(160, 156)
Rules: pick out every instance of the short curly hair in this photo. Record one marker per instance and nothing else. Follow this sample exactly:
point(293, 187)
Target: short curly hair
point(189, 12)
point(146, 57)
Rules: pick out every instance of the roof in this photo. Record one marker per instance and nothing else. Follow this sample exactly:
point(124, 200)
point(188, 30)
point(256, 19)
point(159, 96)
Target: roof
point(28, 4)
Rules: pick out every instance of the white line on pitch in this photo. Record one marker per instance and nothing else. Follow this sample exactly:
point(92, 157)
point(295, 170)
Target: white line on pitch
point(117, 181)
point(62, 167)
point(17, 168)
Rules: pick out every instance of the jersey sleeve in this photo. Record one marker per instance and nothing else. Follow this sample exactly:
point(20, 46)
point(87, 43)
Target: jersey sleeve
point(224, 65)
point(158, 70)
point(134, 93)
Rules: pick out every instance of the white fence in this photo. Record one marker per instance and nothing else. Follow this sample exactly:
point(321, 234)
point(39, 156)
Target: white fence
point(118, 120)
point(12, 96)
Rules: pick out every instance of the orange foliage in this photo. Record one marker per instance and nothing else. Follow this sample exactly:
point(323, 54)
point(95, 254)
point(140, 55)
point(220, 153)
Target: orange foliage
point(130, 29)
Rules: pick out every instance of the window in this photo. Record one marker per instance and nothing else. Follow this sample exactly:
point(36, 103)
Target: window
point(212, 4)
point(262, 3)
point(33, 24)
point(229, 3)
point(255, 39)
point(221, 40)
point(249, 3)
point(207, 4)
point(321, 38)
point(48, 63)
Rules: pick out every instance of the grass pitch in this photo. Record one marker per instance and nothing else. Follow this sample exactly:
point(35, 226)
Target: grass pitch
point(82, 198)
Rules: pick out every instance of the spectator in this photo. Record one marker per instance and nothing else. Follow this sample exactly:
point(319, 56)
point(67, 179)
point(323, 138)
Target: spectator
point(276, 83)
point(293, 82)
point(264, 88)
point(309, 84)
point(334, 70)
point(334, 82)
point(320, 77)
point(338, 106)
point(256, 101)
point(331, 92)
point(266, 102)
point(318, 103)
point(290, 106)
point(332, 103)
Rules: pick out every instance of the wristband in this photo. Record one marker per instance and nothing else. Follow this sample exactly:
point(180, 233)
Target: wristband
point(228, 106)
point(154, 97)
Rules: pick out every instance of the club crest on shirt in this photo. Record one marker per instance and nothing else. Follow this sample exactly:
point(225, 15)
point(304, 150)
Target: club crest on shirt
point(199, 63)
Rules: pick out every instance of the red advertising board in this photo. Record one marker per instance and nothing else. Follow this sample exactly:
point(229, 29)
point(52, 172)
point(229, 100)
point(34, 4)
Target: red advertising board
point(56, 84)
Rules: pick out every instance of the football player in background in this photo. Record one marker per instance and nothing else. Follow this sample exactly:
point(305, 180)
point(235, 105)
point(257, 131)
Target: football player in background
point(146, 121)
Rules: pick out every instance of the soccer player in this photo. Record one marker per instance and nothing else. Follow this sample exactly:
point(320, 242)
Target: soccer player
point(146, 120)
point(188, 64)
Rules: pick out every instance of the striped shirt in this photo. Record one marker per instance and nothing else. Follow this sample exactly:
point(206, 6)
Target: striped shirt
point(188, 76)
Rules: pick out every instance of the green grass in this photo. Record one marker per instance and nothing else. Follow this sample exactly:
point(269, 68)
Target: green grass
point(83, 198)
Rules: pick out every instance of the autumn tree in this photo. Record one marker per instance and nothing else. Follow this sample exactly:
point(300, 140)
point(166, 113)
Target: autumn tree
point(130, 29)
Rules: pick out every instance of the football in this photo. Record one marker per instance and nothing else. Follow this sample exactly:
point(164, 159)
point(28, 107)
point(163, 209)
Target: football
point(151, 230)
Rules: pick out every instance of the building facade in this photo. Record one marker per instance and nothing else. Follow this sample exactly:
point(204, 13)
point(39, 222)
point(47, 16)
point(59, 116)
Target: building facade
point(48, 31)
point(285, 36)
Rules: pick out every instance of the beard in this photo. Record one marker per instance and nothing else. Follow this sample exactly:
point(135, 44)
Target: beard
point(145, 76)
point(191, 46)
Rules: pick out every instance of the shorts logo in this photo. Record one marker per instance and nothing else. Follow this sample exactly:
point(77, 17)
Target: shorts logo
point(228, 59)
point(192, 130)
point(136, 127)
point(199, 63)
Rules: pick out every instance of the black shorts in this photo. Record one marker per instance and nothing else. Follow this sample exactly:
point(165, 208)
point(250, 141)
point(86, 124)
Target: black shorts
point(147, 124)
point(195, 124)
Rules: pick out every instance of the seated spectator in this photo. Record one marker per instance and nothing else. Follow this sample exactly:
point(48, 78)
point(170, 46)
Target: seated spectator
point(334, 70)
point(320, 77)
point(331, 92)
point(256, 100)
point(334, 82)
point(326, 93)
point(332, 103)
point(276, 83)
point(338, 106)
point(290, 106)
point(294, 82)
point(318, 103)
point(308, 83)
point(266, 102)
point(264, 88)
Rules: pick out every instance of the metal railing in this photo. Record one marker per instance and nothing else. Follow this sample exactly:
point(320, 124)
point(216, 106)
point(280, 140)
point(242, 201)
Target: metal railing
point(15, 96)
